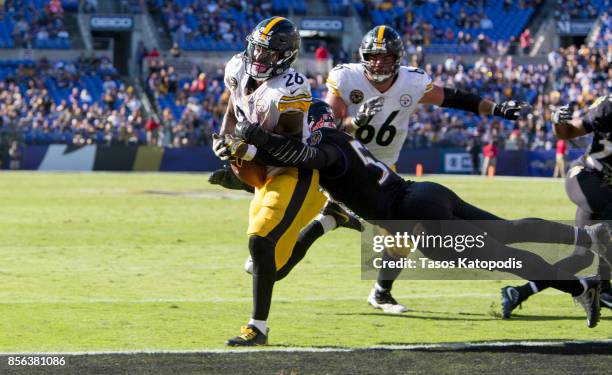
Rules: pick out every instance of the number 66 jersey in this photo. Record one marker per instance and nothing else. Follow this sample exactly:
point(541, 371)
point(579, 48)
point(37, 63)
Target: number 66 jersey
point(386, 131)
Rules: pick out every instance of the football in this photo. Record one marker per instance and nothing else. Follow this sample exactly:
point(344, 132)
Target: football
point(250, 172)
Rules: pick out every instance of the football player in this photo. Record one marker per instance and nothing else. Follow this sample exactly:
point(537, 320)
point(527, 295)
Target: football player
point(375, 99)
point(589, 185)
point(265, 90)
point(343, 162)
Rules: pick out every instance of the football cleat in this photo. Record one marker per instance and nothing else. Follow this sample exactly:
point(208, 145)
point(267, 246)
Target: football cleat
point(511, 299)
point(249, 336)
point(601, 236)
point(343, 217)
point(385, 301)
point(226, 178)
point(589, 300)
point(248, 265)
point(605, 296)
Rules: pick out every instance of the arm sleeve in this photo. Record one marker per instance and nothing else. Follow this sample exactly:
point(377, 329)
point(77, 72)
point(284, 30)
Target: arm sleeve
point(263, 157)
point(295, 153)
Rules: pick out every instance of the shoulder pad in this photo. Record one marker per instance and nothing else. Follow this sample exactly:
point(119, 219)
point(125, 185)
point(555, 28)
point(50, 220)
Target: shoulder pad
point(294, 92)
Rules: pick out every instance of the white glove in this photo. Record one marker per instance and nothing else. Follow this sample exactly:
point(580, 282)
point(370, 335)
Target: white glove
point(220, 147)
point(368, 109)
point(561, 115)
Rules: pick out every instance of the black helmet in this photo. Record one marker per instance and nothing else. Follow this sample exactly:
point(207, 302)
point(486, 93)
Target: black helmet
point(271, 48)
point(381, 40)
point(320, 115)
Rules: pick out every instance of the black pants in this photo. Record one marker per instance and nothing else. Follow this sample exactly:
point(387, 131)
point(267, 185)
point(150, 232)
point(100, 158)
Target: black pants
point(431, 203)
point(593, 199)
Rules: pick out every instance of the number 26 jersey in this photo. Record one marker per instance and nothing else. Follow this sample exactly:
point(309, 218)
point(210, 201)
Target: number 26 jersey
point(386, 131)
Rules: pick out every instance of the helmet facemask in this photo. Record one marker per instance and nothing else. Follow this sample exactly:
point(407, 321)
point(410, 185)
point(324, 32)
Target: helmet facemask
point(380, 67)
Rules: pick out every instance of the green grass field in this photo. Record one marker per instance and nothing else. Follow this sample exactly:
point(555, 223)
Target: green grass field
point(112, 262)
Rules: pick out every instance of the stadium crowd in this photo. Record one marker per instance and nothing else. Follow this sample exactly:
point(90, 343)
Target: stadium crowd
point(78, 103)
point(211, 25)
point(31, 26)
point(477, 26)
point(190, 109)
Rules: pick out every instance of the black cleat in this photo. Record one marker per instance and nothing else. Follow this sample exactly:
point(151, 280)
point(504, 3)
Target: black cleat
point(385, 301)
point(589, 300)
point(343, 217)
point(249, 336)
point(511, 299)
point(226, 178)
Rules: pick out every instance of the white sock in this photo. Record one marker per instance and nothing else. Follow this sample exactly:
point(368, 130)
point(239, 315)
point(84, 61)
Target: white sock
point(379, 288)
point(575, 235)
point(584, 285)
point(327, 221)
point(261, 325)
point(534, 287)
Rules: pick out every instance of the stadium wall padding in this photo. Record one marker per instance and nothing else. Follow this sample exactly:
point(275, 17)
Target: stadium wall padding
point(202, 159)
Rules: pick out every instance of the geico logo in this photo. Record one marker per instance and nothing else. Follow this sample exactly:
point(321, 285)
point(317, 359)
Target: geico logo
point(112, 22)
point(322, 24)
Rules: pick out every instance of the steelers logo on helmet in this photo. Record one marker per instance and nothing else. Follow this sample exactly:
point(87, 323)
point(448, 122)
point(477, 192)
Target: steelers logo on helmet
point(271, 48)
point(320, 115)
point(381, 52)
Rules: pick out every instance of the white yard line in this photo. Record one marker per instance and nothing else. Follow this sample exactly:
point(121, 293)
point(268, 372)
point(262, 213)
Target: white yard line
point(272, 349)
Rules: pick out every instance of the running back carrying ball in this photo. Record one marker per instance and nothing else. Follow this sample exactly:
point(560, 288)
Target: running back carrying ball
point(249, 172)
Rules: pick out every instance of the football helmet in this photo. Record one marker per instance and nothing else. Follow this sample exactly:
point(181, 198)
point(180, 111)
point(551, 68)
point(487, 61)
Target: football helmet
point(271, 48)
point(381, 40)
point(320, 115)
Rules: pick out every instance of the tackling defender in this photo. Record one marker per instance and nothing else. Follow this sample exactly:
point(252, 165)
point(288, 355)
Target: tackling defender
point(344, 162)
point(589, 185)
point(375, 99)
point(264, 89)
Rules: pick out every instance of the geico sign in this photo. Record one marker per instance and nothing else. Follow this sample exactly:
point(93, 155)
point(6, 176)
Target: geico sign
point(322, 24)
point(123, 23)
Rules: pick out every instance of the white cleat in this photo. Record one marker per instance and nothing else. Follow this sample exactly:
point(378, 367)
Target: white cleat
point(248, 265)
point(385, 301)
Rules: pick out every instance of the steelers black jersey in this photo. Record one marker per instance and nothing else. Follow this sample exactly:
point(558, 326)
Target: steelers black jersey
point(357, 174)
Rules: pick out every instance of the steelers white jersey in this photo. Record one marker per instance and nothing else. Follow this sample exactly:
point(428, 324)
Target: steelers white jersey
point(385, 133)
point(288, 92)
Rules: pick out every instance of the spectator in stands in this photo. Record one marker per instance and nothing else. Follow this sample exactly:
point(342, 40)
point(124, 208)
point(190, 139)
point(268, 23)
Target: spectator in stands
point(490, 153)
point(322, 57)
point(154, 53)
point(152, 128)
point(14, 156)
point(473, 148)
point(199, 84)
point(560, 158)
point(175, 51)
point(485, 22)
point(526, 41)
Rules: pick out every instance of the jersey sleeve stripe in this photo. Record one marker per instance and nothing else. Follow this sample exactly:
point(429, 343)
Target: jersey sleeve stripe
point(429, 87)
point(294, 98)
point(301, 106)
point(332, 84)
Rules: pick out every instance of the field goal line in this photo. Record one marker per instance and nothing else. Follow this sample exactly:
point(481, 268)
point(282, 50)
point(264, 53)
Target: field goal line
point(414, 347)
